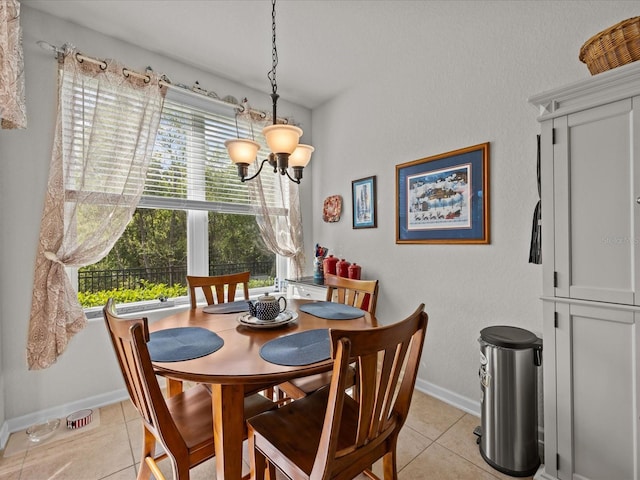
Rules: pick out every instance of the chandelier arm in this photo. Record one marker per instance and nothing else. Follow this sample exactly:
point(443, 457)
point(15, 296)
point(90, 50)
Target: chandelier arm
point(246, 179)
point(286, 172)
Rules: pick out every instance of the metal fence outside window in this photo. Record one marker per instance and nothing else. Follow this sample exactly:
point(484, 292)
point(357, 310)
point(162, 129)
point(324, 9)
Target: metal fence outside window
point(130, 278)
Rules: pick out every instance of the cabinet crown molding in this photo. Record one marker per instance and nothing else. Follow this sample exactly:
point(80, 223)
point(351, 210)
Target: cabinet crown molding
point(609, 86)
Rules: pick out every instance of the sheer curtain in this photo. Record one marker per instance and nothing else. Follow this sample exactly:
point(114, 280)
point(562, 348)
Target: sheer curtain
point(13, 111)
point(105, 132)
point(282, 234)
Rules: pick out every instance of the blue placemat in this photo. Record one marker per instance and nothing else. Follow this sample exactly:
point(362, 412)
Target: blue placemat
point(230, 307)
point(186, 343)
point(298, 349)
point(332, 310)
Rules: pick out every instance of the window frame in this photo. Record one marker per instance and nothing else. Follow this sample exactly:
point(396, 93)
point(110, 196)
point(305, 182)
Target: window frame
point(197, 220)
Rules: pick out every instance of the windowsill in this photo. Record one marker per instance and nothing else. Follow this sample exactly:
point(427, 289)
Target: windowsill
point(138, 307)
point(142, 308)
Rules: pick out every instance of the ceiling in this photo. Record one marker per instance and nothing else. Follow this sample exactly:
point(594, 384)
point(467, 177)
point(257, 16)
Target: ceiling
point(324, 46)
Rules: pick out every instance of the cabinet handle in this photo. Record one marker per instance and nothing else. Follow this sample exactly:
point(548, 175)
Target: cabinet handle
point(638, 200)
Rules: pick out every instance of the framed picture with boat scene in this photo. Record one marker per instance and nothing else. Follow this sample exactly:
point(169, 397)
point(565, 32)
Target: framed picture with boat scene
point(444, 198)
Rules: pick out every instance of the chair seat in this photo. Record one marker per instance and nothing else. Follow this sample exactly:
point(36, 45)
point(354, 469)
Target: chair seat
point(195, 402)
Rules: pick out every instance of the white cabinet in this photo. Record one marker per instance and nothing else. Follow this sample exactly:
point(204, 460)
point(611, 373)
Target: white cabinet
point(590, 171)
point(306, 288)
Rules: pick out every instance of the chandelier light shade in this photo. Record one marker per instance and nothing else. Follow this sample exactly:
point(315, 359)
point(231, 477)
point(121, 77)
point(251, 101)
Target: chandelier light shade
point(242, 150)
point(301, 156)
point(282, 139)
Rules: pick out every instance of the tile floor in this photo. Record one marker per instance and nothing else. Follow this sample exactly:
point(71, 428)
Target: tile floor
point(437, 442)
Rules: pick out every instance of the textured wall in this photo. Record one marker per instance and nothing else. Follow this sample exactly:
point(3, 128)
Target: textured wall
point(457, 74)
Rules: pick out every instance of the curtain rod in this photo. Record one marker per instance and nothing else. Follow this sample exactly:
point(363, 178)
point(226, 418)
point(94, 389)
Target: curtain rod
point(126, 72)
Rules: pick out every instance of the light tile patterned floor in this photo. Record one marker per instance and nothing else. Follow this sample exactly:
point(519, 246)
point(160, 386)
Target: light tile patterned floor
point(437, 443)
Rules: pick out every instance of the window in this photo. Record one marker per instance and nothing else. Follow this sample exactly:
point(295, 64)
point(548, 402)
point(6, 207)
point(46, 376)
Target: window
point(194, 216)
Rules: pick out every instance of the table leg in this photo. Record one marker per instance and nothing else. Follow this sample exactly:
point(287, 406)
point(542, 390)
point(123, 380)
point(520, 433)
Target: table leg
point(174, 387)
point(228, 429)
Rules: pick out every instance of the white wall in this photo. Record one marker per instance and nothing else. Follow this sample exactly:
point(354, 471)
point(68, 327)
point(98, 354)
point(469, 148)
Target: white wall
point(469, 87)
point(87, 370)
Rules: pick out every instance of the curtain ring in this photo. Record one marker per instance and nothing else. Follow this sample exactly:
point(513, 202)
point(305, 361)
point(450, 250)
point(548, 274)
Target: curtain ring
point(147, 79)
point(78, 59)
point(125, 73)
point(103, 68)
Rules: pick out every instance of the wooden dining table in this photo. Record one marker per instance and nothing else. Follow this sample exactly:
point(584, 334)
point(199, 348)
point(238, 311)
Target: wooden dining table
point(238, 364)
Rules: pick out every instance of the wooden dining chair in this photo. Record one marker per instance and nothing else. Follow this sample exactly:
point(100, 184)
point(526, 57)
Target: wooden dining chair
point(214, 288)
point(356, 293)
point(328, 434)
point(182, 423)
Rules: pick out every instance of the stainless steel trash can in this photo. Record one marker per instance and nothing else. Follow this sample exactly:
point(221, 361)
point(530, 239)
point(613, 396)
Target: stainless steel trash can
point(509, 361)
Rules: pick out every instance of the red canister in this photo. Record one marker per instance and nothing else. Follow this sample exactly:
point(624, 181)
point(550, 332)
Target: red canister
point(343, 268)
point(354, 271)
point(329, 265)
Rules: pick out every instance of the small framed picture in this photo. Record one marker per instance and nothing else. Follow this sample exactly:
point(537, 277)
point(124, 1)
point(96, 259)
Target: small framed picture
point(363, 195)
point(444, 198)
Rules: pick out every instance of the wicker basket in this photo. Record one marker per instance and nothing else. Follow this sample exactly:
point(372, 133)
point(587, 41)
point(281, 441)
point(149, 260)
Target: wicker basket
point(613, 47)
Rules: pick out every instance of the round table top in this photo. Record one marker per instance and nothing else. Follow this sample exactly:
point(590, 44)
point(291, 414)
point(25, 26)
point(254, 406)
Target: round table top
point(239, 360)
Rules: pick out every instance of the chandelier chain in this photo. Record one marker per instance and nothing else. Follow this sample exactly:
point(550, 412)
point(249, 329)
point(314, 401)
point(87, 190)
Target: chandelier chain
point(274, 51)
point(281, 139)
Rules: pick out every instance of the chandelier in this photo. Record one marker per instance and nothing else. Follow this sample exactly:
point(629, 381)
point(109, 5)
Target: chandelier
point(282, 139)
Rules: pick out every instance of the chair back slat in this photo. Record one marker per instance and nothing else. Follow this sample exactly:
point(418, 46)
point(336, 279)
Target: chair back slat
point(215, 287)
point(357, 293)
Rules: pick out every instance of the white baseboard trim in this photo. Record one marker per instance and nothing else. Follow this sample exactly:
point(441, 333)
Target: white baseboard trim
point(542, 475)
point(447, 396)
point(4, 435)
point(61, 411)
point(23, 422)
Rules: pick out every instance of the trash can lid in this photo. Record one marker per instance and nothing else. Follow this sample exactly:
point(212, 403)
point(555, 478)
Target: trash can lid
point(509, 337)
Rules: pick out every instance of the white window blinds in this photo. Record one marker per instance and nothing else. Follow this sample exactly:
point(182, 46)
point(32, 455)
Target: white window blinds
point(100, 138)
point(190, 166)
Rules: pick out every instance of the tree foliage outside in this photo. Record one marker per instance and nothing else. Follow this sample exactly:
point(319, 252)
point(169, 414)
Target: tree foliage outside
point(153, 250)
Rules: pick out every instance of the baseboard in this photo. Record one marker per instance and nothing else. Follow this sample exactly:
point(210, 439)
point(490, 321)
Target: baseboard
point(447, 396)
point(19, 423)
point(61, 411)
point(542, 475)
point(4, 435)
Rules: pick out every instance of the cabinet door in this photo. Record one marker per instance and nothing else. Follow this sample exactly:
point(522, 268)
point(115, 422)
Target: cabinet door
point(594, 203)
point(597, 381)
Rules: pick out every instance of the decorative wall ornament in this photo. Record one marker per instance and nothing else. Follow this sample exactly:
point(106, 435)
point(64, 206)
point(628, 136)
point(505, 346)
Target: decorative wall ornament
point(332, 209)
